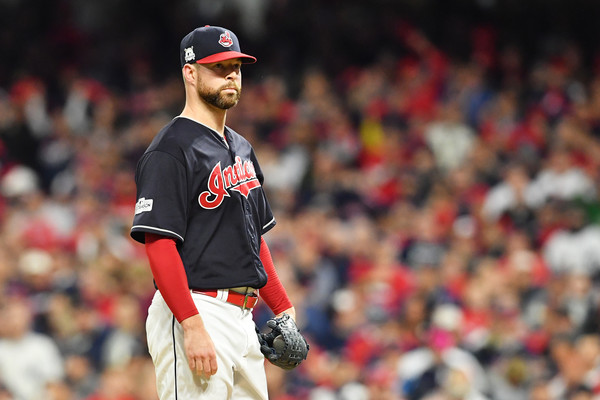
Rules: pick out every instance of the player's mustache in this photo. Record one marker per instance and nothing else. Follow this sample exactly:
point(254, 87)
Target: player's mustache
point(231, 86)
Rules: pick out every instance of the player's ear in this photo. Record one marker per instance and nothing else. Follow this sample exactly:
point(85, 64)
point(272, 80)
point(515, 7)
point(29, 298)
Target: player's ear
point(189, 72)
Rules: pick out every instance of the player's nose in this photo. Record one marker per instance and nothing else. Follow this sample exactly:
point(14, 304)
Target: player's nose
point(233, 74)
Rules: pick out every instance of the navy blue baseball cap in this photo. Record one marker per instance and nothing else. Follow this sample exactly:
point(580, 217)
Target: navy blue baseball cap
point(211, 44)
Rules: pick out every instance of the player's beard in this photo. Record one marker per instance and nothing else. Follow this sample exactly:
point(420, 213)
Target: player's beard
point(218, 98)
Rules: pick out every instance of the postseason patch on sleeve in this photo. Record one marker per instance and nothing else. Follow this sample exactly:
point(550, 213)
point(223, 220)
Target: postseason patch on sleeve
point(143, 205)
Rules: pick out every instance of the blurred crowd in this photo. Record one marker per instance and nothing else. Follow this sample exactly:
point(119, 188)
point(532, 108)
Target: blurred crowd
point(438, 225)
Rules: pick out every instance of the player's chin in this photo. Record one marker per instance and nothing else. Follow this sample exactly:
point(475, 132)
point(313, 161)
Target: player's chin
point(228, 100)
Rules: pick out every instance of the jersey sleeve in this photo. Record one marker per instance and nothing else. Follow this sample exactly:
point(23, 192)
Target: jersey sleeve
point(267, 220)
point(161, 206)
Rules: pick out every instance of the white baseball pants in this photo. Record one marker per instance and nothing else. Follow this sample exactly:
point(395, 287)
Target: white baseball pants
point(240, 374)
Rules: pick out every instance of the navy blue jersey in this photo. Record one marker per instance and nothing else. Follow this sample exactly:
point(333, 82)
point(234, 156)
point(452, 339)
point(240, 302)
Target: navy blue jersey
point(207, 194)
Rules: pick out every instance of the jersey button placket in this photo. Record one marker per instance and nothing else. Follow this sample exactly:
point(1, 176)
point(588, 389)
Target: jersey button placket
point(252, 231)
point(251, 228)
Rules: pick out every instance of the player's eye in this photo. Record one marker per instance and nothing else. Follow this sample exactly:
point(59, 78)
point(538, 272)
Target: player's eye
point(227, 67)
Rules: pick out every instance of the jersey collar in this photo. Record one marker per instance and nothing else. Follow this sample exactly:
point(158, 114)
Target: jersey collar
point(219, 136)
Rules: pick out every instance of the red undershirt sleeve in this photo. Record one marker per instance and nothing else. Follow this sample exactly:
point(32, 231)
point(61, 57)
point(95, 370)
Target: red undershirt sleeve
point(169, 275)
point(273, 293)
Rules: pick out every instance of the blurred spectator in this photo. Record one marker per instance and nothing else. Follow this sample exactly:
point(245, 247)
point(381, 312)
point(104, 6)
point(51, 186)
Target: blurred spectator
point(561, 179)
point(5, 394)
point(58, 391)
point(439, 364)
point(455, 385)
point(125, 340)
point(28, 360)
point(510, 379)
point(115, 384)
point(80, 375)
point(449, 138)
point(575, 247)
point(427, 247)
point(514, 197)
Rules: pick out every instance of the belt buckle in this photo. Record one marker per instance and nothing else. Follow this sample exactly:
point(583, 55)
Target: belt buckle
point(245, 301)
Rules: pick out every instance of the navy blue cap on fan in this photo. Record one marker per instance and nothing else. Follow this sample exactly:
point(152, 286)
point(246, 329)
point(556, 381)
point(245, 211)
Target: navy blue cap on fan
point(211, 44)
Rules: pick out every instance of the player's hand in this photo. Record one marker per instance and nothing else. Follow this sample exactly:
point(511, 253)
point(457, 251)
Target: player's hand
point(199, 347)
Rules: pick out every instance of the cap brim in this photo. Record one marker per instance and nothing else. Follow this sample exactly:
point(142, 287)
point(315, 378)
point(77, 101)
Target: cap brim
point(227, 55)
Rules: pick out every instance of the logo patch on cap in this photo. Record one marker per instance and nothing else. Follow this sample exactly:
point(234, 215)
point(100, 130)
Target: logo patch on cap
point(225, 39)
point(189, 54)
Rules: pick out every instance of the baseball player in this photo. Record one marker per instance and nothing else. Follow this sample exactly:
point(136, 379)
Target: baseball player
point(201, 212)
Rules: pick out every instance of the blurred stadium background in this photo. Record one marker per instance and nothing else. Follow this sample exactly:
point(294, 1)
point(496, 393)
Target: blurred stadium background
point(433, 167)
